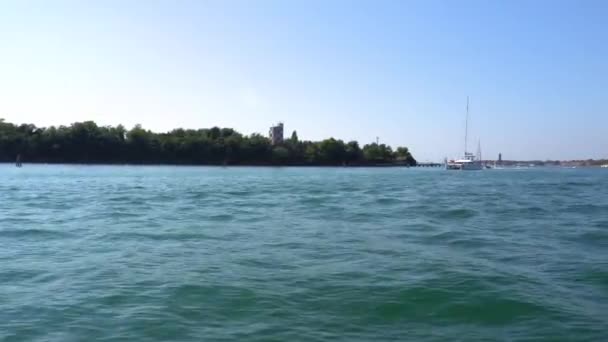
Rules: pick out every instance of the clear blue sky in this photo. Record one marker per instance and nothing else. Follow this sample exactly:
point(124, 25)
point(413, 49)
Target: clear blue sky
point(536, 71)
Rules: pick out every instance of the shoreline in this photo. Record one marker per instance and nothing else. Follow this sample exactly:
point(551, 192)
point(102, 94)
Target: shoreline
point(216, 165)
point(356, 166)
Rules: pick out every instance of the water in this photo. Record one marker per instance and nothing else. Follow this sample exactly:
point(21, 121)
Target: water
point(302, 254)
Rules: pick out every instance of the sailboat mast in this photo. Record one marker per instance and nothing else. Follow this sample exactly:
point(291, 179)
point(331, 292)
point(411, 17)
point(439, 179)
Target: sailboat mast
point(466, 128)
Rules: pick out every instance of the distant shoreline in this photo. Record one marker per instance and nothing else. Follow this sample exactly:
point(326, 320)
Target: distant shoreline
point(510, 165)
point(88, 143)
point(549, 163)
point(214, 165)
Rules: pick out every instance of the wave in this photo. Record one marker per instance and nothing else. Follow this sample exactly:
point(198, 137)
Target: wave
point(33, 233)
point(160, 236)
point(456, 214)
point(387, 201)
point(586, 208)
point(594, 237)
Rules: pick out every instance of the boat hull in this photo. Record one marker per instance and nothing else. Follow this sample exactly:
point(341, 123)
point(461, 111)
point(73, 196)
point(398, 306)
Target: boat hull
point(471, 166)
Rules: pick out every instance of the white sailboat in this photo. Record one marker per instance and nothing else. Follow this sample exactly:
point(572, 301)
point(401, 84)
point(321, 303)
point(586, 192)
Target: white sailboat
point(469, 161)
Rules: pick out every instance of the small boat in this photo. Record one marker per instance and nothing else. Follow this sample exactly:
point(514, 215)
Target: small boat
point(469, 161)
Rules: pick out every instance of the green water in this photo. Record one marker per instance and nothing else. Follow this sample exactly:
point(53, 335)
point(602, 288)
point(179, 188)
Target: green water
point(302, 254)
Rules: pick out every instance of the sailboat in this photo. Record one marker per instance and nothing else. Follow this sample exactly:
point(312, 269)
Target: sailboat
point(469, 161)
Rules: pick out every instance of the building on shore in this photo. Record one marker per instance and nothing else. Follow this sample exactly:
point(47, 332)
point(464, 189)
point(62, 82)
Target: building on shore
point(276, 133)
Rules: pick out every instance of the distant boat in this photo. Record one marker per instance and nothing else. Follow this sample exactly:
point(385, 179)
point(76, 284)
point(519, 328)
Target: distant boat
point(469, 161)
point(605, 166)
point(497, 166)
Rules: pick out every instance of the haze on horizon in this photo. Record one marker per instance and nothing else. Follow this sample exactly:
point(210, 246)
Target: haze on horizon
point(536, 71)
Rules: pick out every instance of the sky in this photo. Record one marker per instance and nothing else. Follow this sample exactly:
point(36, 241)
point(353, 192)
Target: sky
point(536, 71)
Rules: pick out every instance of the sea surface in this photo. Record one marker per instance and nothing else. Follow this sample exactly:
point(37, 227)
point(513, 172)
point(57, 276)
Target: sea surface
point(125, 253)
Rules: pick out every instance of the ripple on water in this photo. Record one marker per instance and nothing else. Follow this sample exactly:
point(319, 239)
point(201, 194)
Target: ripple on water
point(12, 276)
point(220, 217)
point(594, 237)
point(598, 277)
point(164, 236)
point(33, 233)
point(458, 214)
point(387, 201)
point(195, 195)
point(288, 254)
point(440, 237)
point(225, 302)
point(588, 209)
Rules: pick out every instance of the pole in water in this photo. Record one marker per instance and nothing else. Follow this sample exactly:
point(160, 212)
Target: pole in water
point(466, 128)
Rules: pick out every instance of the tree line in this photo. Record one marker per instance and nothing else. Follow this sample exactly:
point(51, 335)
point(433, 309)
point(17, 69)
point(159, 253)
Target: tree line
point(86, 142)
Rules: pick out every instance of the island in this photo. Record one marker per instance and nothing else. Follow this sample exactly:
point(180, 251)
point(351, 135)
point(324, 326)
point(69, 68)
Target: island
point(88, 143)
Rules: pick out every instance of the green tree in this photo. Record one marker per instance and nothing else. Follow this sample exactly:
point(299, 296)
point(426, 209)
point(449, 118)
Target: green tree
point(353, 152)
point(215, 133)
point(402, 152)
point(332, 151)
point(86, 142)
point(280, 155)
point(378, 154)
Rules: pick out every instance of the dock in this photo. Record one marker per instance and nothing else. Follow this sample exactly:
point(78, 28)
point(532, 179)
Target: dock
point(430, 165)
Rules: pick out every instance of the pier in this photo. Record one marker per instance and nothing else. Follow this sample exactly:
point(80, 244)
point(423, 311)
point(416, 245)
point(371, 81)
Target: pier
point(429, 165)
